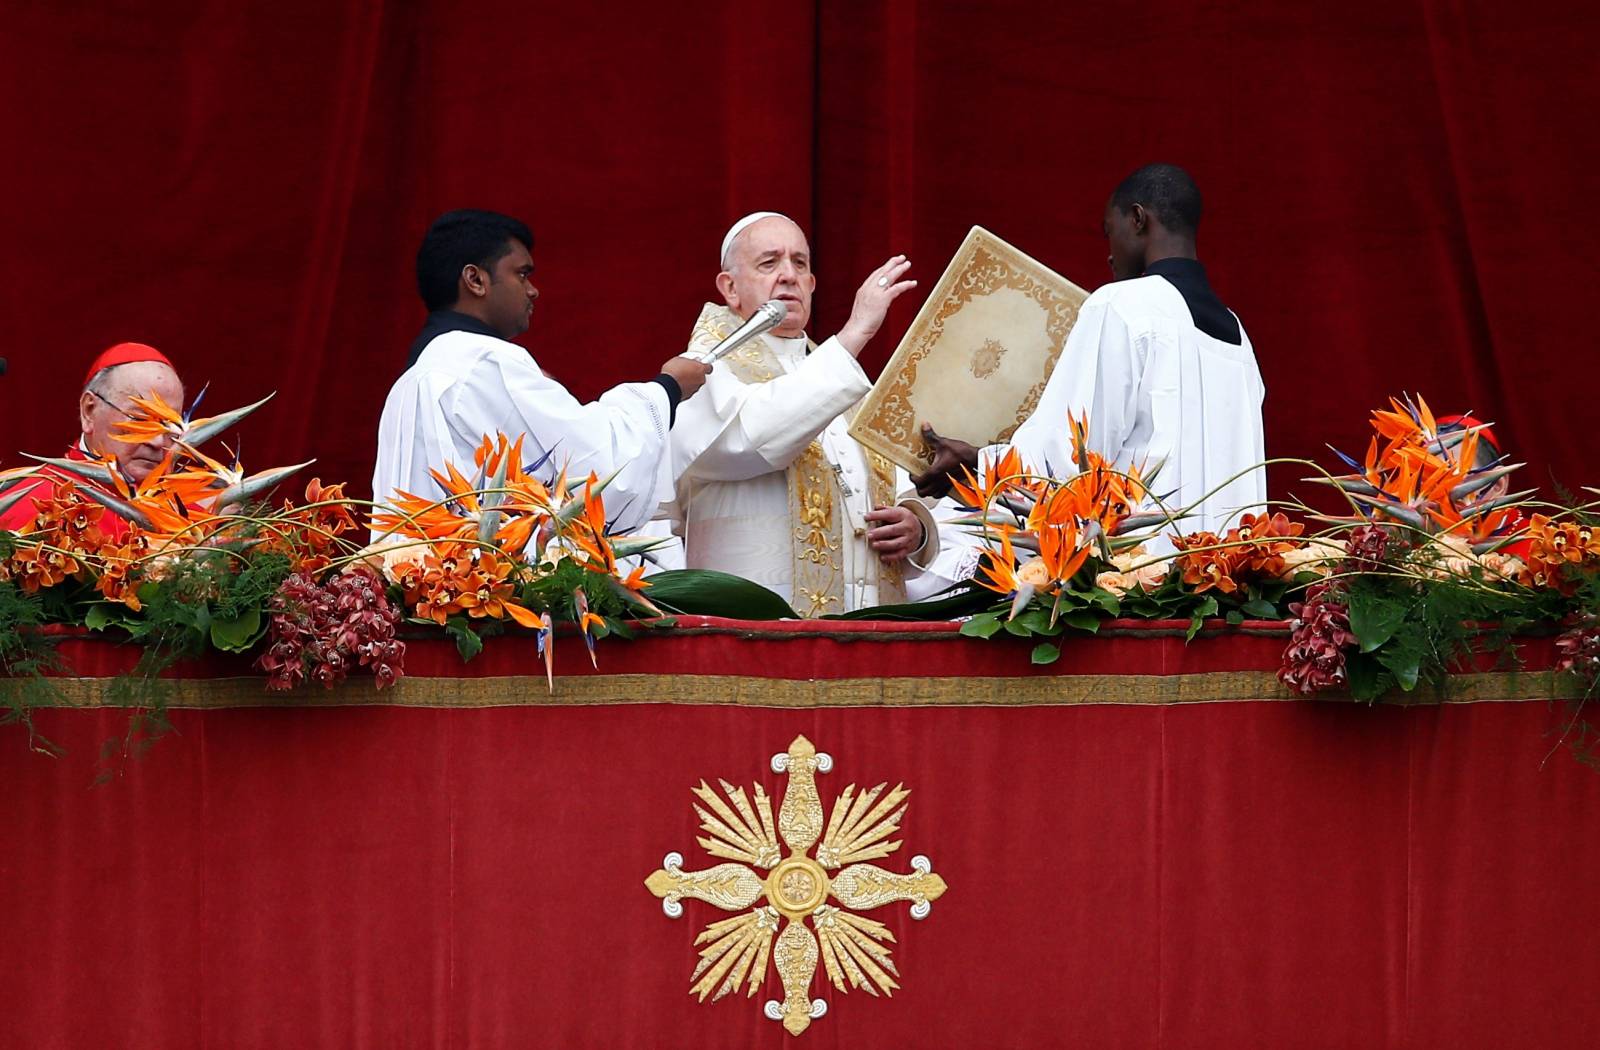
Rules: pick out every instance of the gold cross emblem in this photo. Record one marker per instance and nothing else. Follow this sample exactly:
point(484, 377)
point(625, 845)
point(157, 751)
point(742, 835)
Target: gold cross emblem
point(796, 887)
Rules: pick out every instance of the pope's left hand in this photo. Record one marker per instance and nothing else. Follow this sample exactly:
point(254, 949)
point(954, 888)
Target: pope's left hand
point(897, 536)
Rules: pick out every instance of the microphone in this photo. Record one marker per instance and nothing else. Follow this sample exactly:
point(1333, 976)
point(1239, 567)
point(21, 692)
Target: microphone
point(768, 316)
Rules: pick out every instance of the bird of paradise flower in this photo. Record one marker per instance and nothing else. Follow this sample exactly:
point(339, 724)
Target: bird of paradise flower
point(1421, 476)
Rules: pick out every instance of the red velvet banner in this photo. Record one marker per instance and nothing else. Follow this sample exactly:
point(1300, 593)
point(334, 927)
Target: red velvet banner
point(245, 185)
point(1146, 874)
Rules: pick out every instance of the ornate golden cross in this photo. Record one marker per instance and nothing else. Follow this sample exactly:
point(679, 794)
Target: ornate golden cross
point(796, 887)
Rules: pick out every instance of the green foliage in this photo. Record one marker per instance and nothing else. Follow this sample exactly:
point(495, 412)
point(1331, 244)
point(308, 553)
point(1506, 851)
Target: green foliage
point(469, 643)
point(25, 656)
point(708, 593)
point(1410, 631)
point(1197, 617)
point(1083, 607)
point(206, 598)
point(983, 625)
point(554, 592)
point(962, 599)
point(239, 633)
point(1375, 615)
point(1574, 503)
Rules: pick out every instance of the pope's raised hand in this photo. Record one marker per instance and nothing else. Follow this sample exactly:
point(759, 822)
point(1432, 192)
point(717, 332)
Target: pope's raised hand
point(689, 374)
point(882, 287)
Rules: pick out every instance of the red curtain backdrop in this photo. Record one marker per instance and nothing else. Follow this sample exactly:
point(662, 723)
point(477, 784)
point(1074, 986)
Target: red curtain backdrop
point(1223, 874)
point(1397, 192)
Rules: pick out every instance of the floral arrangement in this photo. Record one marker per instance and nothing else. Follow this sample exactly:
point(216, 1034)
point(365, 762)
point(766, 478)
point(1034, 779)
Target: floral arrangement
point(1394, 593)
point(510, 548)
point(1391, 594)
point(194, 556)
point(1094, 555)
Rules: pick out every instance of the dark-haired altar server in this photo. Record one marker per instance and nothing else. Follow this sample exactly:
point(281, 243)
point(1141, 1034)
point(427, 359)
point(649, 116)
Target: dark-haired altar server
point(465, 379)
point(1163, 369)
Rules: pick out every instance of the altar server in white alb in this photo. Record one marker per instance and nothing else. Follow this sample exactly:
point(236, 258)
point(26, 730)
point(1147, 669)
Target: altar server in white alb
point(770, 486)
point(1162, 367)
point(465, 379)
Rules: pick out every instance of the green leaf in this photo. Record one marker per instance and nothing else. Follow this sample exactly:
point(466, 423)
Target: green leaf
point(1201, 611)
point(1018, 626)
point(619, 627)
point(1261, 609)
point(705, 592)
point(1037, 621)
point(1374, 618)
point(237, 634)
point(98, 618)
point(960, 599)
point(197, 616)
point(468, 644)
point(1082, 620)
point(1106, 600)
point(1046, 653)
point(1368, 680)
point(1404, 663)
point(983, 625)
point(1234, 616)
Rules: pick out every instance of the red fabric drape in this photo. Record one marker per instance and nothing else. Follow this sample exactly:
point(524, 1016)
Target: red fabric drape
point(1391, 194)
point(1286, 874)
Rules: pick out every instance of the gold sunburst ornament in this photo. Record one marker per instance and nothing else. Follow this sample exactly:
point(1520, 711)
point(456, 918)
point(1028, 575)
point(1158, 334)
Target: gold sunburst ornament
point(796, 887)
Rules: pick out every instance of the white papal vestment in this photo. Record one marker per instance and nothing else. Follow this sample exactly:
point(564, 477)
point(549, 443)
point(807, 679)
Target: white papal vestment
point(768, 479)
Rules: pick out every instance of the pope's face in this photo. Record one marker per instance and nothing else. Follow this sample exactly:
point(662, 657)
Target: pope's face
point(98, 417)
point(1124, 241)
point(510, 293)
point(771, 260)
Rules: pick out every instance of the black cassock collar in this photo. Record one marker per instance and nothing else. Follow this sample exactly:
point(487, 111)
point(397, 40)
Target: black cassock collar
point(441, 321)
point(1207, 311)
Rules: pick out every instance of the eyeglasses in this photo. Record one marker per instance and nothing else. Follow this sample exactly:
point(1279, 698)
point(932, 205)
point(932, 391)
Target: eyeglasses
point(122, 411)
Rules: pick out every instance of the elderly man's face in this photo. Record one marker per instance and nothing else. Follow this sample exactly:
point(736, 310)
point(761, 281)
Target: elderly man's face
point(770, 260)
point(98, 417)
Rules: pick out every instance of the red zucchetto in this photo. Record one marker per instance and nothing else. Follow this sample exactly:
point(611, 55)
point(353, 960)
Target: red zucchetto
point(124, 354)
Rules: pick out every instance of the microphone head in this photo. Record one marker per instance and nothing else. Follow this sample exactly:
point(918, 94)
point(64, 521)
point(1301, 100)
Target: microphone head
point(776, 309)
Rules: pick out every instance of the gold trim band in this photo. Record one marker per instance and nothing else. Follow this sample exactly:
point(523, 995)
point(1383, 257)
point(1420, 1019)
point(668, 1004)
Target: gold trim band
point(752, 691)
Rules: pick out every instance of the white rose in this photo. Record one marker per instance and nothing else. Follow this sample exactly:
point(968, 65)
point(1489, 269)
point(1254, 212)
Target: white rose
point(1115, 582)
point(392, 553)
point(1318, 556)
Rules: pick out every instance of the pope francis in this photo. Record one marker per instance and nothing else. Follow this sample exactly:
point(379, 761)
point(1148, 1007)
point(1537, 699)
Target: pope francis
point(769, 484)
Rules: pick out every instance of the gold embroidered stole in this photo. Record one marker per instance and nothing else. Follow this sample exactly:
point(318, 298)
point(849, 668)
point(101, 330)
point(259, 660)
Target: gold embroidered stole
point(816, 504)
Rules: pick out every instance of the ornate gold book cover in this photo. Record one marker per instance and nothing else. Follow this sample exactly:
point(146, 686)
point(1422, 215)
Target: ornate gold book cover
point(976, 359)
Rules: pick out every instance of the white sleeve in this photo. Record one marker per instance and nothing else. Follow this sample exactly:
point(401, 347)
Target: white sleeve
point(952, 557)
point(624, 432)
point(734, 431)
point(1099, 372)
